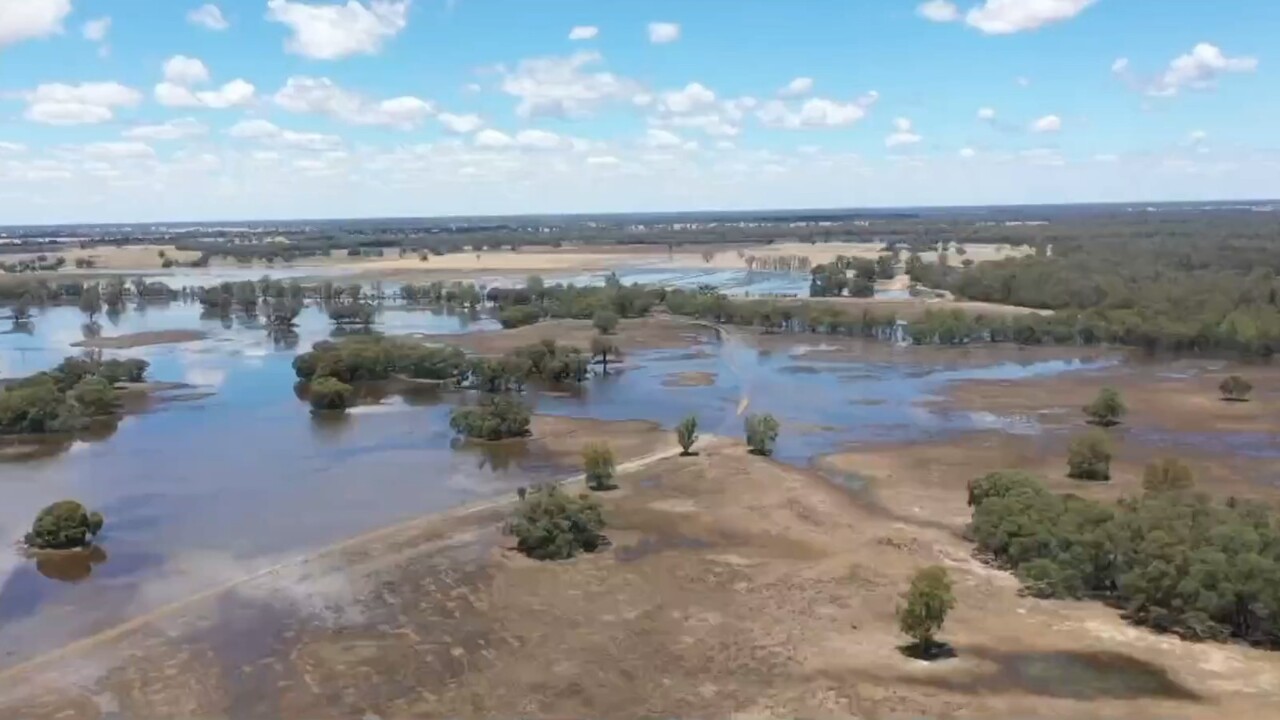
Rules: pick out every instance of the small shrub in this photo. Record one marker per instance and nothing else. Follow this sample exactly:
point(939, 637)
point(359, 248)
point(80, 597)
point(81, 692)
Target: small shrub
point(762, 433)
point(328, 394)
point(605, 321)
point(549, 524)
point(687, 434)
point(64, 525)
point(1235, 388)
point(1089, 457)
point(1106, 409)
point(927, 603)
point(597, 460)
point(1168, 475)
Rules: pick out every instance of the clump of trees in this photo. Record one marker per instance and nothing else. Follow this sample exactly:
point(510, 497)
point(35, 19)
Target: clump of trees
point(1174, 559)
point(328, 394)
point(494, 418)
point(854, 276)
point(598, 462)
point(550, 524)
point(67, 397)
point(924, 610)
point(1089, 457)
point(687, 435)
point(1106, 409)
point(554, 362)
point(1235, 388)
point(352, 313)
point(373, 358)
point(64, 525)
point(519, 316)
point(762, 433)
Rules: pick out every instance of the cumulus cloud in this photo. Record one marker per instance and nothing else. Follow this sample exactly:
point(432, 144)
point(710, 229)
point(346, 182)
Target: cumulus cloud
point(172, 130)
point(814, 113)
point(1005, 17)
point(460, 124)
point(182, 74)
point(798, 87)
point(302, 94)
point(121, 150)
point(564, 87)
point(1047, 124)
point(31, 19)
point(661, 33)
point(986, 114)
point(659, 139)
point(208, 16)
point(332, 32)
point(694, 97)
point(584, 32)
point(938, 11)
point(967, 152)
point(183, 70)
point(531, 139)
point(1120, 65)
point(96, 30)
point(268, 132)
point(1198, 70)
point(83, 104)
point(902, 134)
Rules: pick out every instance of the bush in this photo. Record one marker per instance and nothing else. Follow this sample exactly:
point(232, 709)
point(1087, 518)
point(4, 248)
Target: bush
point(1089, 457)
point(687, 434)
point(597, 460)
point(95, 397)
point(363, 359)
point(64, 525)
point(551, 525)
point(35, 405)
point(327, 393)
point(1168, 475)
point(1106, 409)
point(762, 433)
point(1235, 388)
point(519, 316)
point(927, 603)
point(606, 321)
point(132, 370)
point(496, 418)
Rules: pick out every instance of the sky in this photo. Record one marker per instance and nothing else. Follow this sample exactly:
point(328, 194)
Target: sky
point(154, 110)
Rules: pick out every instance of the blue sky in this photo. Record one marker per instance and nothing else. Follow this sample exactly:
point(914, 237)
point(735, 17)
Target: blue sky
point(124, 110)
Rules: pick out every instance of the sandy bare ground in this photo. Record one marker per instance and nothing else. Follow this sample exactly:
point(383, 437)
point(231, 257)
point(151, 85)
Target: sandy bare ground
point(142, 339)
point(648, 333)
point(131, 257)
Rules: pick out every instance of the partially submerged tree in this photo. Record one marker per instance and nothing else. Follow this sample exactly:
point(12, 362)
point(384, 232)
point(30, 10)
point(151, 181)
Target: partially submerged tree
point(687, 434)
point(602, 347)
point(550, 524)
point(1235, 388)
point(598, 462)
point(762, 433)
point(1089, 456)
point(64, 525)
point(925, 608)
point(1106, 409)
point(95, 397)
point(329, 395)
point(495, 418)
point(91, 301)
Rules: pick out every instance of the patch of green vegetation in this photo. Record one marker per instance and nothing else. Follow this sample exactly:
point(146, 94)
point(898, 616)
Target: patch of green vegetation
point(598, 462)
point(329, 394)
point(63, 399)
point(762, 433)
point(496, 417)
point(550, 524)
point(376, 357)
point(64, 525)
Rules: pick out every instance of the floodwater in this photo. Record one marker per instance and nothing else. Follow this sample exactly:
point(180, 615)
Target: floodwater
point(233, 475)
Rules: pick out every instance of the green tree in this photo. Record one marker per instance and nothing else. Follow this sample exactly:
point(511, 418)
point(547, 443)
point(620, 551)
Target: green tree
point(687, 434)
point(605, 321)
point(1089, 457)
point(1168, 475)
point(602, 347)
point(495, 418)
point(330, 395)
point(925, 608)
point(1106, 409)
point(91, 301)
point(762, 433)
point(95, 397)
point(537, 287)
point(64, 525)
point(597, 460)
point(550, 524)
point(1235, 388)
point(519, 316)
point(35, 405)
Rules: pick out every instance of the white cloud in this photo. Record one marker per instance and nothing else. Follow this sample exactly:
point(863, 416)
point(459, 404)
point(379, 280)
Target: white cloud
point(531, 139)
point(461, 124)
point(661, 33)
point(171, 130)
point(1196, 138)
point(1120, 65)
point(938, 11)
point(96, 30)
point(584, 32)
point(303, 94)
point(208, 16)
point(125, 150)
point(1022, 81)
point(603, 161)
point(268, 132)
point(967, 153)
point(1199, 69)
point(712, 124)
point(30, 19)
point(815, 113)
point(798, 87)
point(83, 104)
point(490, 138)
point(12, 148)
point(902, 134)
point(183, 70)
point(1043, 156)
point(182, 73)
point(332, 32)
point(1047, 124)
point(564, 86)
point(987, 114)
point(1106, 158)
point(694, 97)
point(1005, 17)
point(662, 139)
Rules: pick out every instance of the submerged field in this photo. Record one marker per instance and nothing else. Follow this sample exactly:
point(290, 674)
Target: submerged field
point(258, 562)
